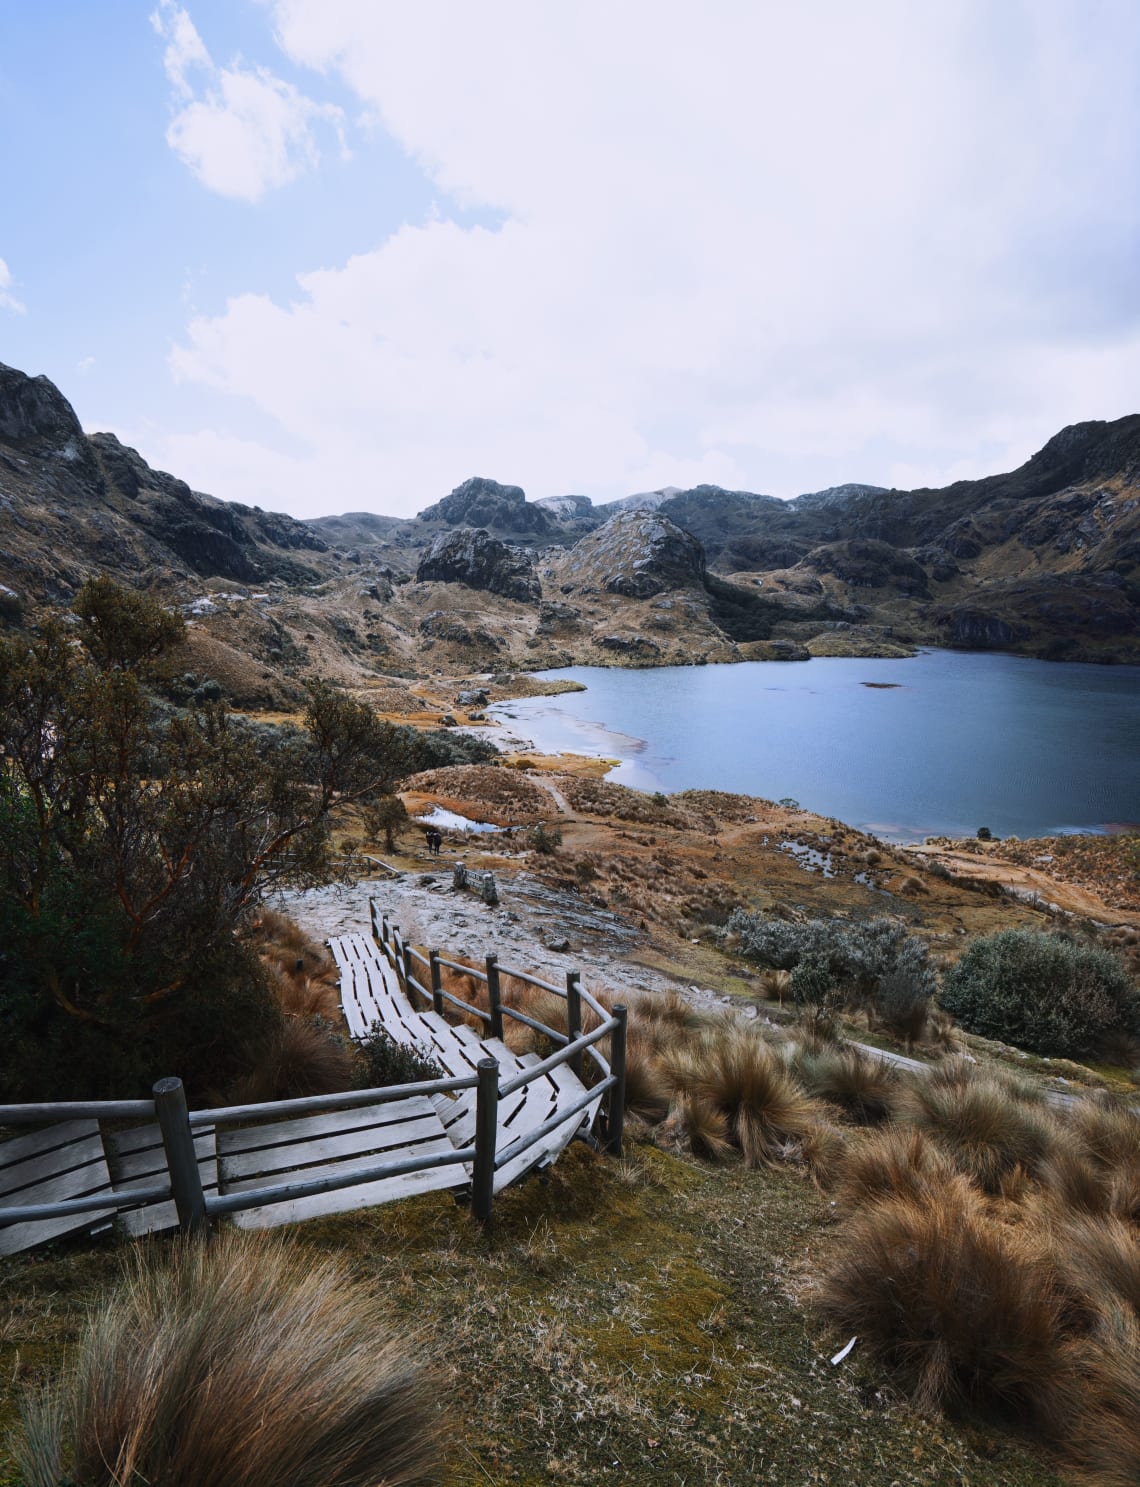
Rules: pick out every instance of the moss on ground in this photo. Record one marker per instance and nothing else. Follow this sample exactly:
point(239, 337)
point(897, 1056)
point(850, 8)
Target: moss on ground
point(643, 1321)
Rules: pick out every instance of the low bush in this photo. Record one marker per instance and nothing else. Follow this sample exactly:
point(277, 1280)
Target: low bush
point(383, 1062)
point(1042, 992)
point(242, 1362)
point(545, 840)
point(874, 965)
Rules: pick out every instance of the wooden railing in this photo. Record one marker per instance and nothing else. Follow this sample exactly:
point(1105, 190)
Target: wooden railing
point(196, 1207)
point(575, 1045)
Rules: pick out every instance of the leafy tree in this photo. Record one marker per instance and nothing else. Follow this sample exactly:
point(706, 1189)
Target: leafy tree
point(137, 837)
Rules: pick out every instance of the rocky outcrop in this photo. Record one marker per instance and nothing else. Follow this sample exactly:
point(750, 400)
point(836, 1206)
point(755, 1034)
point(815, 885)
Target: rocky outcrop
point(38, 421)
point(637, 554)
point(865, 563)
point(480, 561)
point(479, 502)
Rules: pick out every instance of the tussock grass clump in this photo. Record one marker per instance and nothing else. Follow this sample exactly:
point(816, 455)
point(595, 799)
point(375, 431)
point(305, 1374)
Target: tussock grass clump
point(865, 1088)
point(647, 1089)
point(734, 1072)
point(959, 1304)
point(695, 1126)
point(236, 1364)
point(1102, 1445)
point(985, 1129)
point(301, 1058)
point(1098, 1262)
point(896, 1162)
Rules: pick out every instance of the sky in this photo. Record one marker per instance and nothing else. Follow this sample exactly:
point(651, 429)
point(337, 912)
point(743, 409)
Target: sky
point(339, 255)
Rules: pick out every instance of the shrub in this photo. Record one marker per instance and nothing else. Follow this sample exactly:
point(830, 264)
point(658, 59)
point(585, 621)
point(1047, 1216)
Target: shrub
point(242, 1362)
point(902, 1004)
point(859, 957)
point(1041, 992)
point(954, 1301)
point(984, 834)
point(545, 840)
point(383, 1062)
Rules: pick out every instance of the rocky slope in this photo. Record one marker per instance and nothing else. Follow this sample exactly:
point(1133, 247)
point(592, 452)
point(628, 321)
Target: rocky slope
point(1044, 560)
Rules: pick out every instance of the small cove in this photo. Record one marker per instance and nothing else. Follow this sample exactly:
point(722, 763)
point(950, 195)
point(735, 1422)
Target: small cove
point(936, 745)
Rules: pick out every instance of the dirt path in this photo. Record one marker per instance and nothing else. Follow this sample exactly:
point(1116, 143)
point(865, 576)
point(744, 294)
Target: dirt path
point(1030, 884)
point(553, 791)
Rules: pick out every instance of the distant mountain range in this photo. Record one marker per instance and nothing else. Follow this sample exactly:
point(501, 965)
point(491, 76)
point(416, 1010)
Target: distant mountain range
point(1044, 560)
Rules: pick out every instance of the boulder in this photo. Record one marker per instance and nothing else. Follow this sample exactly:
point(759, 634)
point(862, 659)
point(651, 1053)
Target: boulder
point(475, 558)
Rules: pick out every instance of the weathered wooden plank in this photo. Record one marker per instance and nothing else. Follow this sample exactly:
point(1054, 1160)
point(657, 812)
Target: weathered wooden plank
point(347, 1200)
point(329, 1122)
point(137, 1156)
point(65, 1161)
point(324, 1152)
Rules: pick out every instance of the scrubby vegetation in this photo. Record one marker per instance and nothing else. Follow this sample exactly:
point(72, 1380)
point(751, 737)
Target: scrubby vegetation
point(1042, 992)
point(139, 838)
point(875, 965)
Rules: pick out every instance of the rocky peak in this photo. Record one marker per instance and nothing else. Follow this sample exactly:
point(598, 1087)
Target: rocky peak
point(37, 420)
point(475, 558)
point(480, 502)
point(638, 554)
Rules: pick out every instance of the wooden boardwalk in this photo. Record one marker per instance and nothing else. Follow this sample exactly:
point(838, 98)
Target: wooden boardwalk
point(371, 993)
point(475, 1131)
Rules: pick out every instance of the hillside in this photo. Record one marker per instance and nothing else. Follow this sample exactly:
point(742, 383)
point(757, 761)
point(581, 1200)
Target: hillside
point(1042, 560)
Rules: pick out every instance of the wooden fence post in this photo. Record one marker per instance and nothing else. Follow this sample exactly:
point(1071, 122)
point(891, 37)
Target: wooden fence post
point(181, 1158)
point(615, 1110)
point(494, 996)
point(372, 919)
point(398, 958)
point(436, 982)
point(486, 1134)
point(574, 1016)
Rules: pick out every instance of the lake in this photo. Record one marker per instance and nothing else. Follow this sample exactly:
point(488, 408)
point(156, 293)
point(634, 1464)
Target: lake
point(936, 745)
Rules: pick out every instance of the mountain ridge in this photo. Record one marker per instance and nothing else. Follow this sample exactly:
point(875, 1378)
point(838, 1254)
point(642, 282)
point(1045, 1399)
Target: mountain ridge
point(1044, 560)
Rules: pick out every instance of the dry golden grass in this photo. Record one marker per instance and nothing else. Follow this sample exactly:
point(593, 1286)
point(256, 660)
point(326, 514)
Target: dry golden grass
point(241, 1363)
point(1102, 1444)
point(960, 1305)
point(864, 1088)
point(983, 1127)
point(734, 1072)
point(1098, 1262)
point(895, 1162)
point(696, 1126)
point(301, 1059)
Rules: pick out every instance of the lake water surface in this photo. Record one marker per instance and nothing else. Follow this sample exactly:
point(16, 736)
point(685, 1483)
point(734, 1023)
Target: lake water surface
point(940, 744)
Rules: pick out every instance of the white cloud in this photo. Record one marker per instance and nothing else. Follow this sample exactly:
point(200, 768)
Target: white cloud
point(84, 365)
point(241, 130)
point(8, 300)
point(767, 246)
